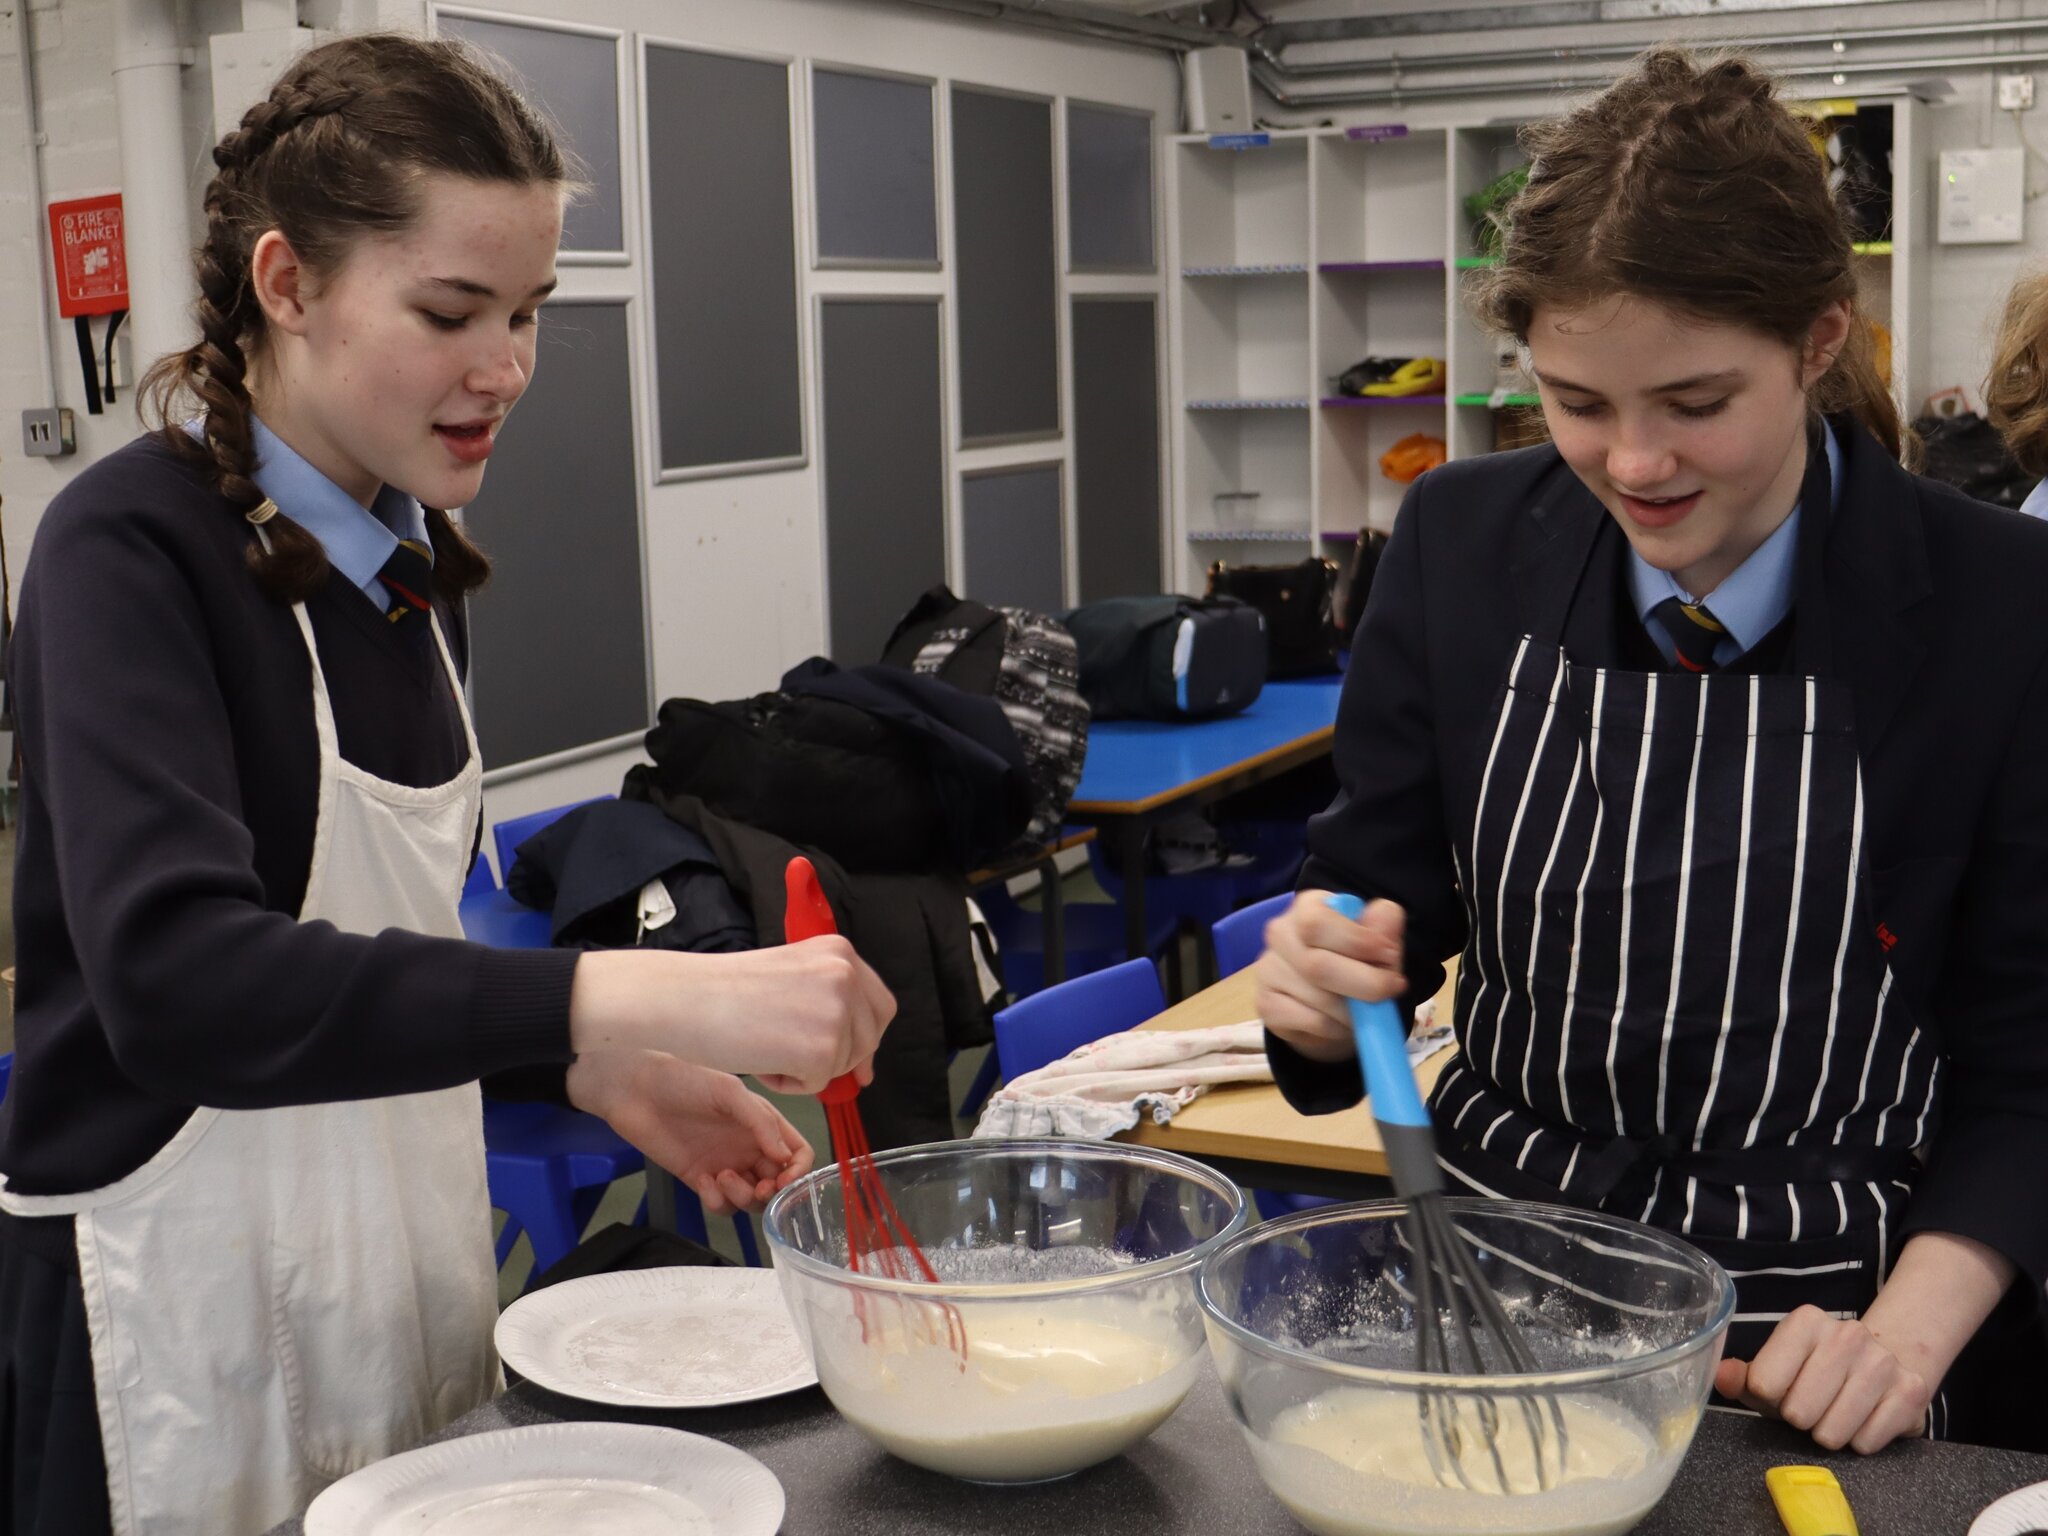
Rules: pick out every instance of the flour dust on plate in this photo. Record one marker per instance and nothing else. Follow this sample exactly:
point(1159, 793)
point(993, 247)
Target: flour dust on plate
point(591, 1479)
point(683, 1337)
point(2019, 1513)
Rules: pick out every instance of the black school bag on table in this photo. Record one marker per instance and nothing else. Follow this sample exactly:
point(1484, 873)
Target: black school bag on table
point(1299, 602)
point(1023, 660)
point(1169, 657)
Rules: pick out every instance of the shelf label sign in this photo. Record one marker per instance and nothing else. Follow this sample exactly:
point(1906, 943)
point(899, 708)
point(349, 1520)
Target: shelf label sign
point(1239, 140)
point(91, 255)
point(1373, 132)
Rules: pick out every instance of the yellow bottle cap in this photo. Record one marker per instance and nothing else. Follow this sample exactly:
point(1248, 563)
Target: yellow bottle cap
point(1810, 1502)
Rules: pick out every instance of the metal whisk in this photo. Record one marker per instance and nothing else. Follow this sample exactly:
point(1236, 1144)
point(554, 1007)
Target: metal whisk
point(878, 1242)
point(1447, 1280)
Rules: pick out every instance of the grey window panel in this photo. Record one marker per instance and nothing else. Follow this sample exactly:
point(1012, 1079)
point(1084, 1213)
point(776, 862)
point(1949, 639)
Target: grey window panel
point(884, 452)
point(723, 236)
point(1109, 188)
point(877, 198)
point(559, 636)
point(1006, 266)
point(574, 79)
point(1117, 507)
point(1011, 524)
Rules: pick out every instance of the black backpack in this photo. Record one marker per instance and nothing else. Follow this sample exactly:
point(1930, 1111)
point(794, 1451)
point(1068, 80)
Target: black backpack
point(1027, 663)
point(1170, 657)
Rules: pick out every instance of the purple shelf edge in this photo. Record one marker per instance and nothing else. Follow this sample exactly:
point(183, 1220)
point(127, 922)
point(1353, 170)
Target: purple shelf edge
point(1354, 400)
point(1380, 266)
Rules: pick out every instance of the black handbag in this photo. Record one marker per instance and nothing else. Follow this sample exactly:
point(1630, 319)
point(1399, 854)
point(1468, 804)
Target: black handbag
point(1299, 602)
point(1357, 583)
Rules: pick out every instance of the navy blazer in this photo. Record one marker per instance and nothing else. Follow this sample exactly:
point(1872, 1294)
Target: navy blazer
point(1927, 603)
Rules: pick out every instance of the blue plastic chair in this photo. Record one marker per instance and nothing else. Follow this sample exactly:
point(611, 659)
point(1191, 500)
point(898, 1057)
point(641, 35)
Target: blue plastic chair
point(1093, 935)
point(1240, 938)
point(1049, 1024)
point(550, 1165)
point(493, 917)
point(506, 836)
point(481, 881)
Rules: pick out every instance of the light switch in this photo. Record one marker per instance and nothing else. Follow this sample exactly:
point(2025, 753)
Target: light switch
point(1983, 196)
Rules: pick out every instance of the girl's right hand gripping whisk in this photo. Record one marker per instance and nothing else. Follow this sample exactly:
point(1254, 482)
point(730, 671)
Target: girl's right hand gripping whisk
point(1446, 1280)
point(877, 1240)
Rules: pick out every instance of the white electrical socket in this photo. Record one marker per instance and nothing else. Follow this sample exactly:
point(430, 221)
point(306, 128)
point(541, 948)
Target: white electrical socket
point(2015, 93)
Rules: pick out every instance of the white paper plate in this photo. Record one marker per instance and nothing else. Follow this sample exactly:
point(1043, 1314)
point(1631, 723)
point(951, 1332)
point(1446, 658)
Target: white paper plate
point(562, 1479)
point(2023, 1510)
point(684, 1337)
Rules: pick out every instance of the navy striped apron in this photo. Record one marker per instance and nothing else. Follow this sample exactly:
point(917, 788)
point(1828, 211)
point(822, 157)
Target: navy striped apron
point(1674, 1005)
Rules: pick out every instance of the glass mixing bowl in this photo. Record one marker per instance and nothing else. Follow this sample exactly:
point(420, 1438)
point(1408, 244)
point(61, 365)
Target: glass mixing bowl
point(1068, 1270)
point(1312, 1324)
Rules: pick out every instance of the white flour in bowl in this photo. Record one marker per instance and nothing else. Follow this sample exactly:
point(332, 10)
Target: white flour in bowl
point(1352, 1462)
point(1046, 1387)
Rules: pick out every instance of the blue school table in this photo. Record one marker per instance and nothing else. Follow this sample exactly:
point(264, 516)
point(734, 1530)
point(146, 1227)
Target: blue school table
point(1138, 770)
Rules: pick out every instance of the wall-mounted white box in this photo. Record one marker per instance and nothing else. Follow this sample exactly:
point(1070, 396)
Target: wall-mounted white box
point(1983, 196)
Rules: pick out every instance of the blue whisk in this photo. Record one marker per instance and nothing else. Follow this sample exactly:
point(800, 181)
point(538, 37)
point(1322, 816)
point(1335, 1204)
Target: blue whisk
point(1446, 1277)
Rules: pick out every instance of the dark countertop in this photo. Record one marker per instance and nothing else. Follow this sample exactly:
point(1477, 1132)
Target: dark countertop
point(1195, 1475)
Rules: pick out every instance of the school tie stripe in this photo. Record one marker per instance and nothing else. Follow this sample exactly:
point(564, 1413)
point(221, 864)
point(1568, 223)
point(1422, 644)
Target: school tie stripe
point(408, 578)
point(1693, 630)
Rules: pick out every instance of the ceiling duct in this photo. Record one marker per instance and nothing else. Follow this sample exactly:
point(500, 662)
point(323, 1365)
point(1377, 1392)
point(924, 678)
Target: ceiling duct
point(1093, 21)
point(1555, 13)
point(1841, 40)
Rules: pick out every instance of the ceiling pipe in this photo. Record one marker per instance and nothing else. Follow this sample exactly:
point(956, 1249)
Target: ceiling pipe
point(32, 141)
point(1840, 40)
point(1930, 90)
point(1555, 13)
point(149, 57)
point(1093, 21)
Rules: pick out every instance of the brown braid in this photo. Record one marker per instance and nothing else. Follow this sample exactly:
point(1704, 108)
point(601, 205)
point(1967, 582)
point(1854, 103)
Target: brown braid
point(334, 153)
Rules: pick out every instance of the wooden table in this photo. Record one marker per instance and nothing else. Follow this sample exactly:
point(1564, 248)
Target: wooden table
point(1248, 1131)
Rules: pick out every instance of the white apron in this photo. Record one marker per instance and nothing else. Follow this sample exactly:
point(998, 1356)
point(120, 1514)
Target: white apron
point(281, 1296)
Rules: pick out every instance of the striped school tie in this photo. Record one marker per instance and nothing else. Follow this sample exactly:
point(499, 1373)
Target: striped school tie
point(1694, 632)
point(408, 578)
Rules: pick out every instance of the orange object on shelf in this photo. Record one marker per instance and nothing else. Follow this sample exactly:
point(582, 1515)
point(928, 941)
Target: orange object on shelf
point(1408, 458)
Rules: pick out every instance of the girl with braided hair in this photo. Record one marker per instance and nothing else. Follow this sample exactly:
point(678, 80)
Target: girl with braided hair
point(1710, 739)
point(245, 1239)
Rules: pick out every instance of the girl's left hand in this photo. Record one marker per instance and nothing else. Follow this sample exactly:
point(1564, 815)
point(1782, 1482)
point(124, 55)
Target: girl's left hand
point(730, 1146)
point(1834, 1377)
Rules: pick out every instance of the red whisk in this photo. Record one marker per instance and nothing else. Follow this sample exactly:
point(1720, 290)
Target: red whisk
point(877, 1240)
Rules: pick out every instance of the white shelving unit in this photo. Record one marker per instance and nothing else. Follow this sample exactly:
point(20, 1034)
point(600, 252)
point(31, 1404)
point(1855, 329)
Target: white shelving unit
point(1300, 255)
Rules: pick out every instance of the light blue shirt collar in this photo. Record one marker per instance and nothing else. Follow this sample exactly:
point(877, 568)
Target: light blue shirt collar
point(2036, 504)
point(358, 540)
point(1754, 598)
